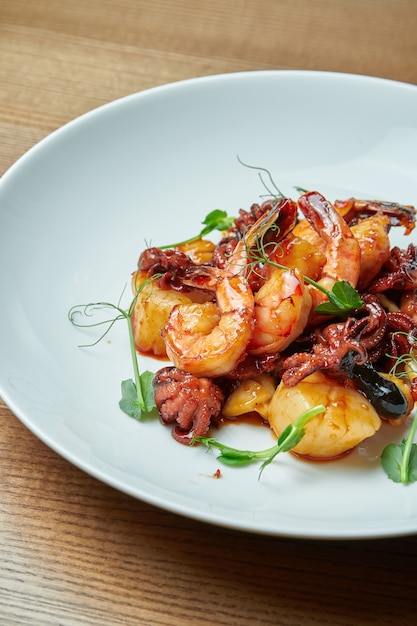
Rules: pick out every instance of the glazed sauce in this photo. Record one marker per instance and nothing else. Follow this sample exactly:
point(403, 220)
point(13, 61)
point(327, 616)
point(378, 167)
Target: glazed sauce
point(252, 419)
point(327, 459)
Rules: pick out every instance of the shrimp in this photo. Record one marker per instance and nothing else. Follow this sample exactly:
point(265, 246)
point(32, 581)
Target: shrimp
point(372, 235)
point(209, 339)
point(305, 231)
point(299, 253)
point(263, 236)
point(282, 308)
point(282, 303)
point(348, 420)
point(339, 245)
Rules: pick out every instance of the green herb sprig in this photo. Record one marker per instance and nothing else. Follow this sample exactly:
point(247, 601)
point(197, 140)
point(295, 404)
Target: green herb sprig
point(342, 299)
point(405, 364)
point(400, 460)
point(137, 399)
point(272, 190)
point(215, 220)
point(288, 439)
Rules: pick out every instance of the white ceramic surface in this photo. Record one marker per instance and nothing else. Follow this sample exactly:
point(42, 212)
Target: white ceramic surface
point(75, 213)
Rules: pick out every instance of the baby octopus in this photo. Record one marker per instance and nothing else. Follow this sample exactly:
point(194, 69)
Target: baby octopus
point(349, 350)
point(354, 210)
point(186, 401)
point(399, 272)
point(328, 346)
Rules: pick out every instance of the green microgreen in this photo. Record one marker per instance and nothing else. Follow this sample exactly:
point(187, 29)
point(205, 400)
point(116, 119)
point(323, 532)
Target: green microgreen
point(275, 192)
point(400, 460)
point(404, 361)
point(215, 220)
point(288, 439)
point(137, 399)
point(405, 364)
point(343, 298)
point(300, 190)
point(272, 190)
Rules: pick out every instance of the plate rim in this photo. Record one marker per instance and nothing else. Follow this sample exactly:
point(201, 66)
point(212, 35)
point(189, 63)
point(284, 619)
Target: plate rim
point(88, 467)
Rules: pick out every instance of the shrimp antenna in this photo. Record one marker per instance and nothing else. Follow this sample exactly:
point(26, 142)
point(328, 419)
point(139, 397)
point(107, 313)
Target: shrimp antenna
point(278, 193)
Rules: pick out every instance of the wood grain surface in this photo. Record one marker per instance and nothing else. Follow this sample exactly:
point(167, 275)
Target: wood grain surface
point(73, 550)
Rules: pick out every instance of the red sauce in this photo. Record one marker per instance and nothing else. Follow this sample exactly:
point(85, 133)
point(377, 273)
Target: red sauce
point(252, 418)
point(162, 358)
point(327, 459)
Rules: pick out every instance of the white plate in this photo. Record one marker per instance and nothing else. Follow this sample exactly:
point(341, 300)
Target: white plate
point(75, 212)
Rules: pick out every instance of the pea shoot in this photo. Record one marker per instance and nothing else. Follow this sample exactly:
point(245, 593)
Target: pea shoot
point(215, 220)
point(137, 399)
point(342, 299)
point(288, 439)
point(272, 188)
point(399, 461)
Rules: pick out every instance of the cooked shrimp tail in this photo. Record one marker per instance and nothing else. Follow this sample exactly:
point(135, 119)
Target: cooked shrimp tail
point(340, 246)
point(272, 227)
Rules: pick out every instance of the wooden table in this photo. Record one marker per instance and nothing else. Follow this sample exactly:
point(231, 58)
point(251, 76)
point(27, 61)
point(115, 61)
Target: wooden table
point(73, 550)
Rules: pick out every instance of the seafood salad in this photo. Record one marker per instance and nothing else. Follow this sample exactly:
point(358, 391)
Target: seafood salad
point(301, 303)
